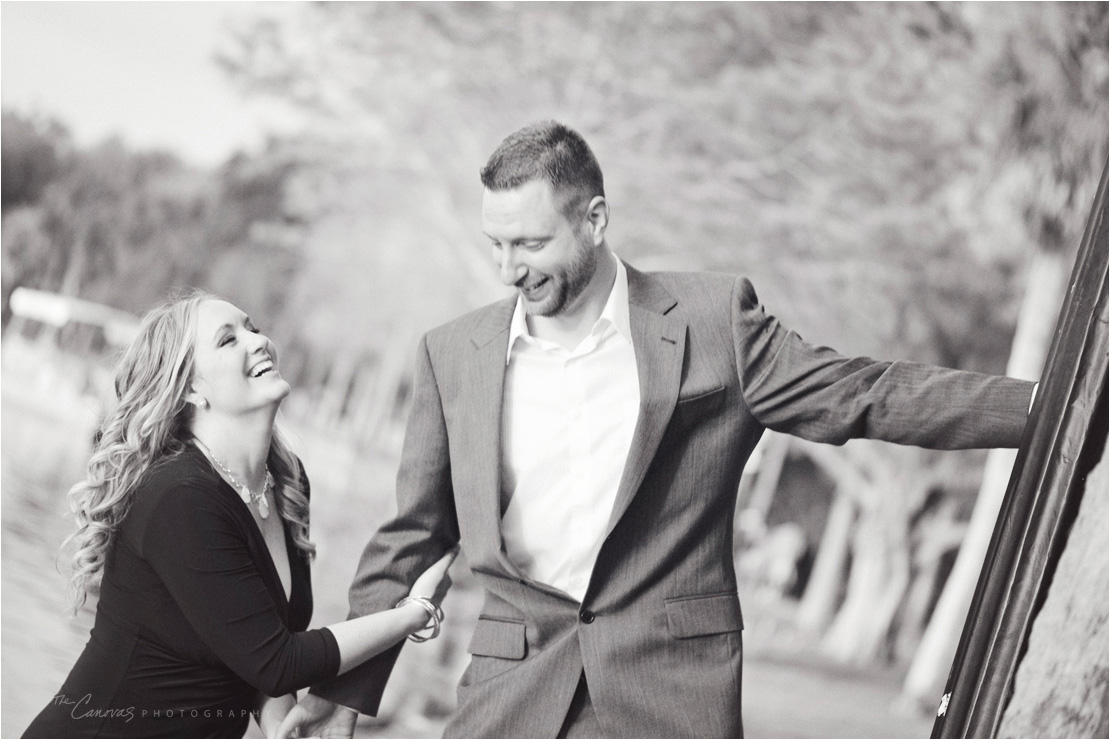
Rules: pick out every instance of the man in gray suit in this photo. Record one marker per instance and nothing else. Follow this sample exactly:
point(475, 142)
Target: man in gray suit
point(584, 440)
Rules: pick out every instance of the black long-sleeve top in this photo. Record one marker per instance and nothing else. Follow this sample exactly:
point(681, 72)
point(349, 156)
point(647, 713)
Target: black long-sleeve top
point(192, 620)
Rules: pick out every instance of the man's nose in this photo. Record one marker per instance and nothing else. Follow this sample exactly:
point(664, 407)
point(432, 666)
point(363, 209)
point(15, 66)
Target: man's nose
point(511, 269)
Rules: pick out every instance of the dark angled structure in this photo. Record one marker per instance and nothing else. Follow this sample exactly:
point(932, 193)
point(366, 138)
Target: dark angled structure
point(1032, 658)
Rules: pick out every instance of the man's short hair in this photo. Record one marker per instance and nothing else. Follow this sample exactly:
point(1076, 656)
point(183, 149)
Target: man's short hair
point(549, 151)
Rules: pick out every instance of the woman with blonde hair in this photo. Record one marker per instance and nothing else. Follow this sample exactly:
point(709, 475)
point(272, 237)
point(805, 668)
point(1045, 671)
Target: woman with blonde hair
point(193, 518)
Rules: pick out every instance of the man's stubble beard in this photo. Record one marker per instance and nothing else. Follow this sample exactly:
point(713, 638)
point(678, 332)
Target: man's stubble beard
point(575, 279)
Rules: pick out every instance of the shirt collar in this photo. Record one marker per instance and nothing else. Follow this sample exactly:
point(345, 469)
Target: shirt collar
point(615, 312)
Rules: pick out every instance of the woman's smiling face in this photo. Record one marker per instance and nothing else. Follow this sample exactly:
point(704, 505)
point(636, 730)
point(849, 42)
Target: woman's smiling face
point(235, 364)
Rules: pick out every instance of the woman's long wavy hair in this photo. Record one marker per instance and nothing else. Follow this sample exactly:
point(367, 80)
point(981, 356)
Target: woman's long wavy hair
point(152, 422)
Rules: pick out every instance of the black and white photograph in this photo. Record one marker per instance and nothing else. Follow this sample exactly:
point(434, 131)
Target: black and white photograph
point(544, 370)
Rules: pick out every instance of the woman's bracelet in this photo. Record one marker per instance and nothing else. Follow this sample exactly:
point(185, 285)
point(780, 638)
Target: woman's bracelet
point(435, 615)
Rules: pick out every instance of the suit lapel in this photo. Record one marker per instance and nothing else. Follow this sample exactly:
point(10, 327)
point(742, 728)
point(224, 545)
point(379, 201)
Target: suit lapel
point(485, 383)
point(660, 344)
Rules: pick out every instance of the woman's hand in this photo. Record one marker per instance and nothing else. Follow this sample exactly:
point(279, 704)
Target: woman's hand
point(272, 711)
point(434, 582)
point(361, 638)
point(317, 717)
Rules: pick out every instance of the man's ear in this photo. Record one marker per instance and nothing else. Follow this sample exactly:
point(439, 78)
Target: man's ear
point(597, 215)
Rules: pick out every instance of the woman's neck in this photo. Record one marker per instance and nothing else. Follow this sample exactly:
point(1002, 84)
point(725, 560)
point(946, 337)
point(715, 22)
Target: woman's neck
point(240, 444)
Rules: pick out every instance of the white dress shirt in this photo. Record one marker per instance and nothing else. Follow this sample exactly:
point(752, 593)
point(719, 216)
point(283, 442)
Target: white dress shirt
point(567, 423)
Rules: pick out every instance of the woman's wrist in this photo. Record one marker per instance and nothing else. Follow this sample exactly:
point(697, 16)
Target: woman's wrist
point(433, 617)
point(416, 617)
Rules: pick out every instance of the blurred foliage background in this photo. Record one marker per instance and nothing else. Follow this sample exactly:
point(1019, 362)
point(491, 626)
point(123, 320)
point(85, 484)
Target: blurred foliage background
point(895, 164)
point(888, 174)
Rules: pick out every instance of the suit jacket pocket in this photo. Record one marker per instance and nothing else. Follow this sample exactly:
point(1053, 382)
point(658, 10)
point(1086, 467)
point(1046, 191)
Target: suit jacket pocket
point(497, 647)
point(699, 405)
point(504, 639)
point(704, 400)
point(701, 615)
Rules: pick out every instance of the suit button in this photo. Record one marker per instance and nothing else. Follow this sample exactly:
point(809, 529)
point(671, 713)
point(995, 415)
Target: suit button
point(586, 615)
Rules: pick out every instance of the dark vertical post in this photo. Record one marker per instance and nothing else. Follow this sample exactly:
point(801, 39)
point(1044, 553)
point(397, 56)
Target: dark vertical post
point(1069, 420)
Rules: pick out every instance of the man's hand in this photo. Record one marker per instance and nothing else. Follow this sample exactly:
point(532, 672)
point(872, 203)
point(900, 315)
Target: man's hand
point(316, 716)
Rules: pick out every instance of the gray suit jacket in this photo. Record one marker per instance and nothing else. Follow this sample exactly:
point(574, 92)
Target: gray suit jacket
point(658, 631)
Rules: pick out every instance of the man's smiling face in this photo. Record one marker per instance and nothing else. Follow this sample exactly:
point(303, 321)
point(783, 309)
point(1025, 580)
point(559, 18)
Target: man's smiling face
point(549, 259)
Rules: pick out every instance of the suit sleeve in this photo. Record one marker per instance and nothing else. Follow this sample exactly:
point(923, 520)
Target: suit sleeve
point(424, 528)
point(815, 393)
point(201, 555)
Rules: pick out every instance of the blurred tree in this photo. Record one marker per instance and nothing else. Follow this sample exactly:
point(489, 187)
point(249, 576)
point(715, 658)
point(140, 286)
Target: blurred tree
point(31, 149)
point(124, 228)
point(255, 233)
point(725, 157)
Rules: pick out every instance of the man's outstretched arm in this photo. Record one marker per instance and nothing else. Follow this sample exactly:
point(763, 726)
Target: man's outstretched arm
point(814, 392)
point(424, 528)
